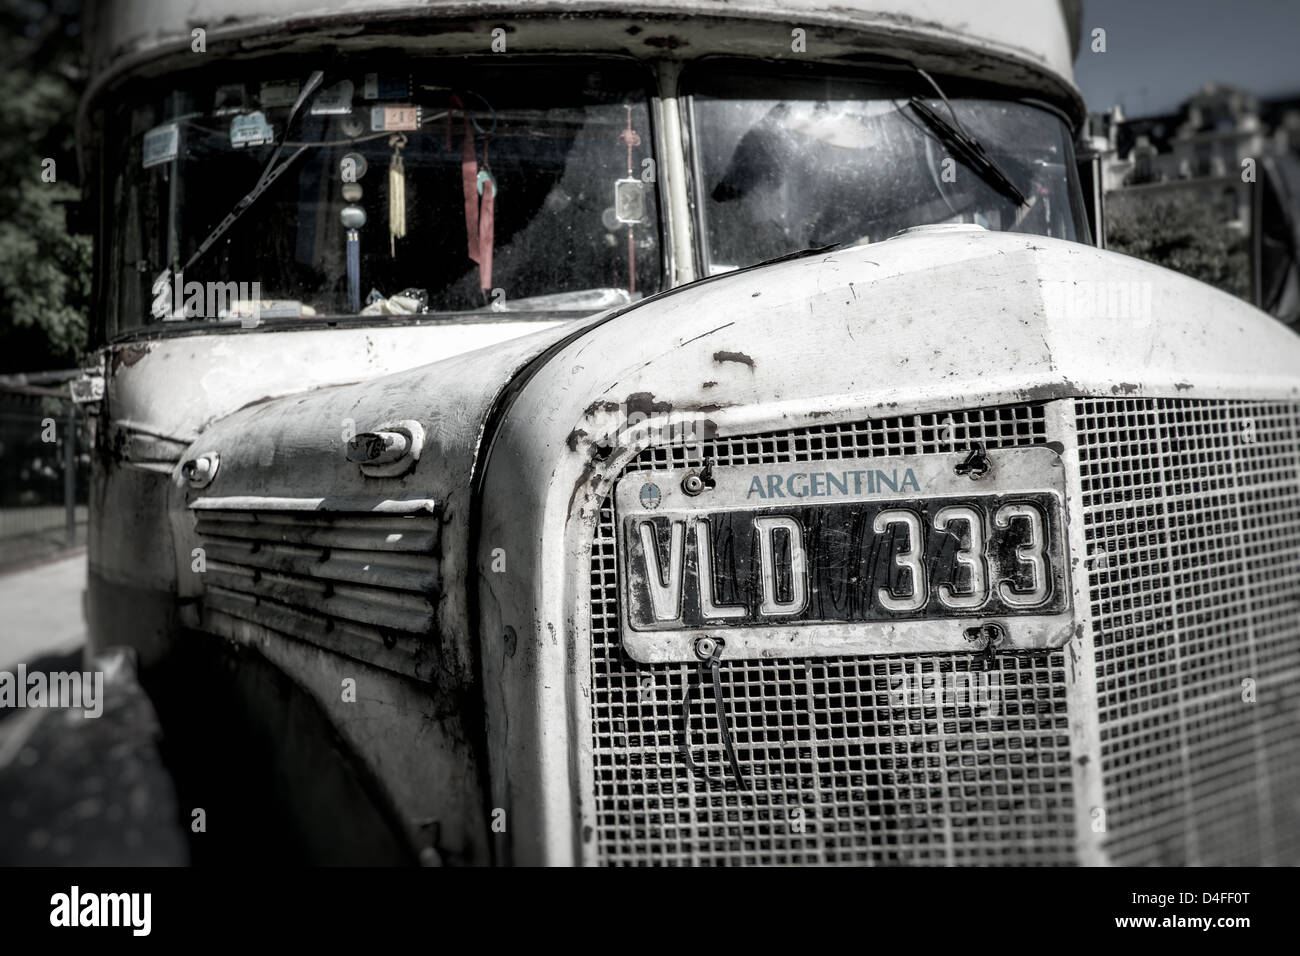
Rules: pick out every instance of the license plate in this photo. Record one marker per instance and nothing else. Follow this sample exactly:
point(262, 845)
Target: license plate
point(882, 555)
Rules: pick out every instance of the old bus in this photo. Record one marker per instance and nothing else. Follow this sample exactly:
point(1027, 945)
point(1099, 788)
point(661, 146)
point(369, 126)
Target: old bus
point(679, 431)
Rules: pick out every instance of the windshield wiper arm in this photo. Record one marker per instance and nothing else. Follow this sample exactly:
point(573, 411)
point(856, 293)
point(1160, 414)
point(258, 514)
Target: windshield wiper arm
point(242, 206)
point(270, 173)
point(969, 151)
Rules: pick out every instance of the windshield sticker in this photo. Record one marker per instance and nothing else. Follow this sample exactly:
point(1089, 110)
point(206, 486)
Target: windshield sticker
point(386, 86)
point(279, 93)
point(629, 200)
point(394, 118)
point(161, 144)
point(335, 100)
point(251, 129)
point(229, 99)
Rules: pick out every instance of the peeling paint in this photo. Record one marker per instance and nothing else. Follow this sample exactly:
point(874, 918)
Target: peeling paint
point(130, 354)
point(738, 357)
point(1042, 393)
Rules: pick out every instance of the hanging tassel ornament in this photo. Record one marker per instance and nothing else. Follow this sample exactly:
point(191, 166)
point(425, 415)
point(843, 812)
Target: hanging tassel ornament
point(396, 194)
point(353, 218)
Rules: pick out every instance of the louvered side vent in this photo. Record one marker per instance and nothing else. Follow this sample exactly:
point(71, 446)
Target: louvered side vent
point(361, 583)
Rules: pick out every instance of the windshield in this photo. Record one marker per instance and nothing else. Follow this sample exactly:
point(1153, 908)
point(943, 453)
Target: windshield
point(383, 189)
point(786, 164)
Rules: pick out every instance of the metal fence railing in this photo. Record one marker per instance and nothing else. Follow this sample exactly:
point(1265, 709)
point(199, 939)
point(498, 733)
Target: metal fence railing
point(44, 468)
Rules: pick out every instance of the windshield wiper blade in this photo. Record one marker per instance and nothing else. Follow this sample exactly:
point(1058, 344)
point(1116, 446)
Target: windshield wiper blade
point(270, 173)
point(969, 151)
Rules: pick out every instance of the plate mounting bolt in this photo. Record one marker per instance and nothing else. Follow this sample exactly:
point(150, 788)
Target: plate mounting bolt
point(976, 464)
point(696, 482)
point(705, 647)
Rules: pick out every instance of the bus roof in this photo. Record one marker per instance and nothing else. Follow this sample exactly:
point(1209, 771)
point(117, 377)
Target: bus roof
point(1028, 43)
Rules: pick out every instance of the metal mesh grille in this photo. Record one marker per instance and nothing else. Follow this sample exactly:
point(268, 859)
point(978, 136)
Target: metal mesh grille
point(1192, 515)
point(843, 769)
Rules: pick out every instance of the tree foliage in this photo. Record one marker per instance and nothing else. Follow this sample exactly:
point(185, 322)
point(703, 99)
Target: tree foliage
point(45, 272)
point(1184, 235)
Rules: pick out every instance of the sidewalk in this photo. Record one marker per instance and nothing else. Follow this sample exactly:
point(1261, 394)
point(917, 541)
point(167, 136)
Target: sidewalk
point(41, 610)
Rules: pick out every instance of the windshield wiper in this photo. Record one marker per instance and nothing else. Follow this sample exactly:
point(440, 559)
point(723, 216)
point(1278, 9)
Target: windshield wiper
point(969, 151)
point(270, 173)
point(967, 147)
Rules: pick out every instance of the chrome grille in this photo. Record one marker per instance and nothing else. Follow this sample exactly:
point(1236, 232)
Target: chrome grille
point(840, 771)
point(363, 583)
point(1192, 516)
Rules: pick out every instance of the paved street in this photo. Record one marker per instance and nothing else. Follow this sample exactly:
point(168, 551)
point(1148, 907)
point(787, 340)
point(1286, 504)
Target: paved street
point(41, 610)
point(78, 789)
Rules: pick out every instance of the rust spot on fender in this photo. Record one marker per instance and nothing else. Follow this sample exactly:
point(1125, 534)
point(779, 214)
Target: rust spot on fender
point(643, 402)
point(739, 358)
point(1182, 386)
point(575, 436)
point(1038, 393)
point(128, 355)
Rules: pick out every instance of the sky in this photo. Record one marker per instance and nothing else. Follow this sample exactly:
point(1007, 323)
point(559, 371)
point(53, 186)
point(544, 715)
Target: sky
point(1158, 52)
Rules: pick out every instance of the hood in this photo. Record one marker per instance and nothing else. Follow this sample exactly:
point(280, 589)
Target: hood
point(936, 316)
